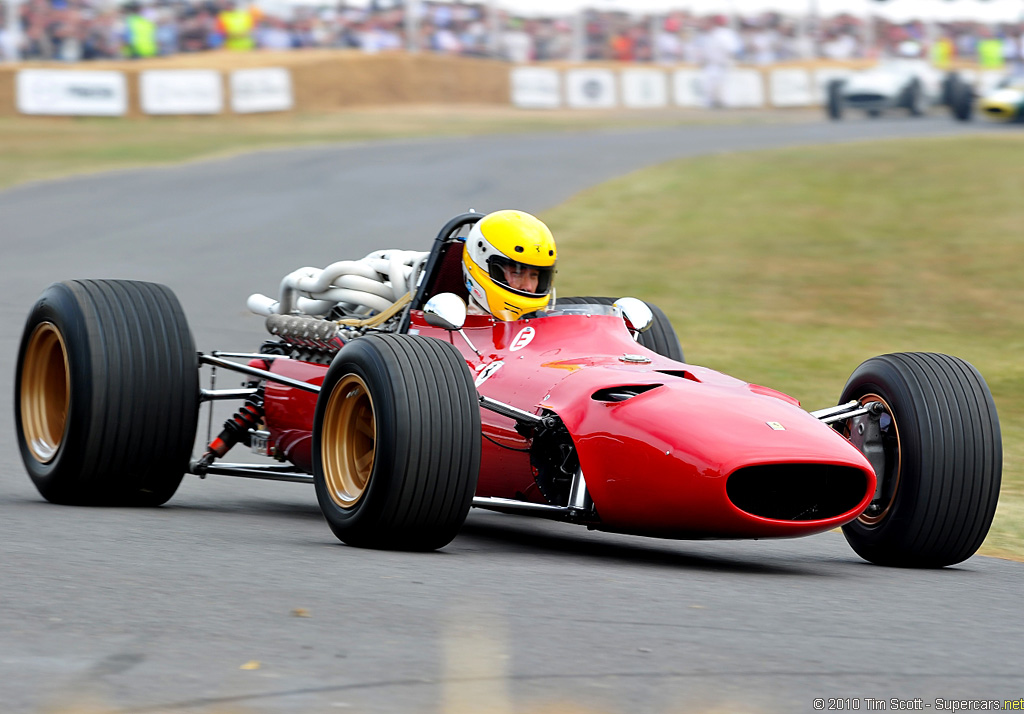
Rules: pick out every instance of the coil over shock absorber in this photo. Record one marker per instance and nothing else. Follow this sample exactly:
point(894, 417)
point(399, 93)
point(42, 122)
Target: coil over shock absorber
point(236, 429)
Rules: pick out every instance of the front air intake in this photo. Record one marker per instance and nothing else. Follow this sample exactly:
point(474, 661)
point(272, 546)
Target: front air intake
point(796, 492)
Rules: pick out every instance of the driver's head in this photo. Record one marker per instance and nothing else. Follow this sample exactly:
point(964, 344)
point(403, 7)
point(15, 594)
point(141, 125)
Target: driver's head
point(509, 264)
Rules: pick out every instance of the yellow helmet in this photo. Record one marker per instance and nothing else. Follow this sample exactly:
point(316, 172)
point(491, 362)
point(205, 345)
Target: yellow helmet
point(509, 264)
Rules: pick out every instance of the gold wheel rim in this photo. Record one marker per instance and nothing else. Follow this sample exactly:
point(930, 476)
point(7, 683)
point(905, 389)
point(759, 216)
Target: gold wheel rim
point(895, 475)
point(349, 441)
point(45, 392)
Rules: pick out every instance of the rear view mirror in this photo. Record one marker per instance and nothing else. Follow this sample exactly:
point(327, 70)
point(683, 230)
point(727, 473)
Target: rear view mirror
point(636, 312)
point(445, 310)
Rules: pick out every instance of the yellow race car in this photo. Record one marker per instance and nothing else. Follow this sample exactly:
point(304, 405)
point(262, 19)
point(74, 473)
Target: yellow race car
point(1005, 103)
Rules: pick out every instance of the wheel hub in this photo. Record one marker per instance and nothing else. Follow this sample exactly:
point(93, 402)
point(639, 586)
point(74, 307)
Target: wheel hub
point(349, 441)
point(45, 392)
point(880, 443)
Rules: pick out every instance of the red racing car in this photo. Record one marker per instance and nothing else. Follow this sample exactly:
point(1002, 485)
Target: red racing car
point(405, 412)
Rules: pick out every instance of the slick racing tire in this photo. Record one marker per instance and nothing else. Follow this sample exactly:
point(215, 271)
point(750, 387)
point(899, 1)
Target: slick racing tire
point(915, 99)
point(106, 393)
point(948, 82)
point(660, 338)
point(961, 99)
point(396, 443)
point(942, 460)
point(834, 100)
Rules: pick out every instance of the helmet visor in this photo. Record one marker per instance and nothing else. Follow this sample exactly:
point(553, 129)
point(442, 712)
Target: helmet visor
point(520, 278)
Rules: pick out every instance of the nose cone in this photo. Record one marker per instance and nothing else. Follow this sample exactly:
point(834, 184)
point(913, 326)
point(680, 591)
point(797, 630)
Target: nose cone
point(717, 457)
point(1003, 104)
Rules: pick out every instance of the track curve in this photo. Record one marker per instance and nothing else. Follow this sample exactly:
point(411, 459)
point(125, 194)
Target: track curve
point(236, 597)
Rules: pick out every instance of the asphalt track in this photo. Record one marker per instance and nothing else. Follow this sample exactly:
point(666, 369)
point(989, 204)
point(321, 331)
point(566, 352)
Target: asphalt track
point(235, 597)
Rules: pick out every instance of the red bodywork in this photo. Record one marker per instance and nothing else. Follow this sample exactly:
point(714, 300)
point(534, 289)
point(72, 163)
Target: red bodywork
point(657, 463)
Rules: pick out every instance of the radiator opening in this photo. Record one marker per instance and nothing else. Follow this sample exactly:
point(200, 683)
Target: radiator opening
point(796, 492)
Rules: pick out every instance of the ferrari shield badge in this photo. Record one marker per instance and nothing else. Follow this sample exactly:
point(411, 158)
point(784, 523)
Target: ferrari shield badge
point(487, 371)
point(775, 425)
point(524, 338)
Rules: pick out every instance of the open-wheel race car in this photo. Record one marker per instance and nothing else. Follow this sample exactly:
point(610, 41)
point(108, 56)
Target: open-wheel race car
point(898, 83)
point(404, 411)
point(1004, 103)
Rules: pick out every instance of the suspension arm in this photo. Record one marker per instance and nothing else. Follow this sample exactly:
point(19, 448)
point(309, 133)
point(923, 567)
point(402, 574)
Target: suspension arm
point(256, 372)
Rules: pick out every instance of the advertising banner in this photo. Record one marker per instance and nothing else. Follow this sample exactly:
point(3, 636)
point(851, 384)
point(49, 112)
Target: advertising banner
point(181, 91)
point(743, 89)
point(71, 93)
point(644, 88)
point(267, 89)
point(590, 89)
point(687, 88)
point(536, 88)
point(791, 88)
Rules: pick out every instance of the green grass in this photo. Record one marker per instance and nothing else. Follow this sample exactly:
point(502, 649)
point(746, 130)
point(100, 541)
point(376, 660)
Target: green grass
point(33, 148)
point(788, 268)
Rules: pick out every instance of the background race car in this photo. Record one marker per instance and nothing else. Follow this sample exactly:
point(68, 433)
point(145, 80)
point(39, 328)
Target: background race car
point(1005, 103)
point(900, 83)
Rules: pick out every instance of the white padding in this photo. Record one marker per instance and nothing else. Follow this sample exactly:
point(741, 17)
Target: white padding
point(687, 89)
point(743, 89)
point(181, 91)
point(63, 92)
point(644, 88)
point(791, 87)
point(536, 88)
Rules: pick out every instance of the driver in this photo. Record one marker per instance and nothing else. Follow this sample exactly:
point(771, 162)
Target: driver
point(509, 265)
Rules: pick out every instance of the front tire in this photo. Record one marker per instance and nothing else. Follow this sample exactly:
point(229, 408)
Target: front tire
point(106, 393)
point(942, 463)
point(396, 443)
point(915, 99)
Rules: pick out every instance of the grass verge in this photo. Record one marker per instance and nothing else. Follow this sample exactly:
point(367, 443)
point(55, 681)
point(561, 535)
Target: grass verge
point(788, 268)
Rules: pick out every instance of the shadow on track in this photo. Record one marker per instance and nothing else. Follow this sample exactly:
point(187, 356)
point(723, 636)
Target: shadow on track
point(541, 536)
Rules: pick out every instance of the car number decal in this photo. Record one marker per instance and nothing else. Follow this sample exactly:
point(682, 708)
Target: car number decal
point(524, 338)
point(487, 371)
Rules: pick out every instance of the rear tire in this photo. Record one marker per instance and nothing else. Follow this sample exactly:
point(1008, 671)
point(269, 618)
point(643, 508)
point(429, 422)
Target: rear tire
point(660, 338)
point(834, 100)
point(943, 460)
point(396, 443)
point(106, 393)
point(915, 99)
point(961, 99)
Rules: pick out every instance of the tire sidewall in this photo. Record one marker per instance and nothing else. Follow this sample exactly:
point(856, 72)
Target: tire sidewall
point(915, 99)
point(57, 306)
point(834, 104)
point(356, 358)
point(962, 100)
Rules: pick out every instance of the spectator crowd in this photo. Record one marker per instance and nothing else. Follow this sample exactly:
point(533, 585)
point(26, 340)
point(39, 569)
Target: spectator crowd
point(75, 30)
